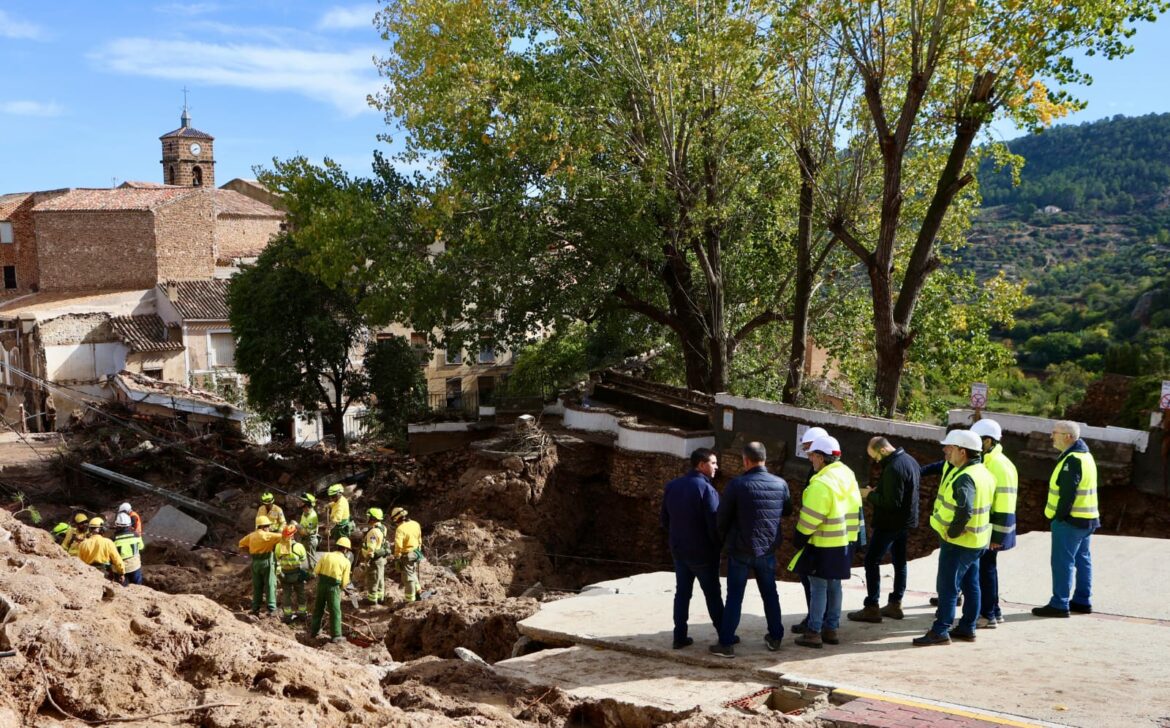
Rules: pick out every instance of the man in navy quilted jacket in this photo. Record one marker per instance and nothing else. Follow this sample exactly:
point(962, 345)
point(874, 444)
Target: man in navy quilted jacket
point(688, 516)
point(749, 525)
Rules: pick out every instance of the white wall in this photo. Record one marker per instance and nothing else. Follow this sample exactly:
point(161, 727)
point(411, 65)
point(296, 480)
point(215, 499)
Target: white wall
point(84, 362)
point(632, 436)
point(1026, 424)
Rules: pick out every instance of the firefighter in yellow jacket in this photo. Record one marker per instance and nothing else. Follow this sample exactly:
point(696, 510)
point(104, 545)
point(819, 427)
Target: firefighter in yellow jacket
point(407, 551)
point(375, 549)
point(292, 564)
point(72, 539)
point(260, 544)
point(333, 573)
point(97, 550)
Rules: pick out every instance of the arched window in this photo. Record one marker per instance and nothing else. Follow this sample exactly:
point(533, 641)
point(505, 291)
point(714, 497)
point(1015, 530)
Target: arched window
point(171, 174)
point(196, 176)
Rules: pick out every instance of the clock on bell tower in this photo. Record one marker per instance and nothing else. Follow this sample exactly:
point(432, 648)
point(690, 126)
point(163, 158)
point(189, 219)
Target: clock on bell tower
point(188, 159)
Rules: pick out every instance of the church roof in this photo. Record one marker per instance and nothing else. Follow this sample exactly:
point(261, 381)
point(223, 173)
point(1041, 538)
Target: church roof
point(9, 203)
point(122, 198)
point(232, 203)
point(187, 132)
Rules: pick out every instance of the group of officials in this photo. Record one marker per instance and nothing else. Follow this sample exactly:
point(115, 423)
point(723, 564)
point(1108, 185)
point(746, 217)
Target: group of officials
point(974, 516)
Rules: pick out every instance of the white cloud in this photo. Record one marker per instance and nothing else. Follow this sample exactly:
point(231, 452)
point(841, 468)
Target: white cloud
point(354, 16)
point(342, 78)
point(31, 108)
point(12, 28)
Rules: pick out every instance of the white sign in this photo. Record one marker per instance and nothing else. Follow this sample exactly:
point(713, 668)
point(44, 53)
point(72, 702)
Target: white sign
point(1165, 401)
point(978, 395)
point(800, 430)
point(728, 419)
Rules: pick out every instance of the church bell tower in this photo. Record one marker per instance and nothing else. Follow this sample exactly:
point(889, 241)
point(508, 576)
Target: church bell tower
point(188, 157)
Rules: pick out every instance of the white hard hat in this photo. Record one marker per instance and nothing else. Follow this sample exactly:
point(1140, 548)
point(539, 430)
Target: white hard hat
point(812, 433)
point(826, 445)
point(124, 508)
point(988, 428)
point(965, 439)
point(122, 520)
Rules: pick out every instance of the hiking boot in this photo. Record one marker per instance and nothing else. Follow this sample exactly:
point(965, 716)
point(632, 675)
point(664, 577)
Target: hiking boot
point(829, 637)
point(958, 602)
point(722, 650)
point(810, 639)
point(1049, 611)
point(932, 638)
point(964, 636)
point(893, 610)
point(799, 627)
point(1080, 608)
point(868, 613)
point(684, 642)
point(985, 623)
point(771, 644)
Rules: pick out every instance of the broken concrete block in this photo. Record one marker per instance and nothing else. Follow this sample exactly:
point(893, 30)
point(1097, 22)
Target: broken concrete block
point(171, 524)
point(226, 495)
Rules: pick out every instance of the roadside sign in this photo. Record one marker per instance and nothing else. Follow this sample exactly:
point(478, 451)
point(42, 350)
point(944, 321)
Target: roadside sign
point(1165, 403)
point(978, 395)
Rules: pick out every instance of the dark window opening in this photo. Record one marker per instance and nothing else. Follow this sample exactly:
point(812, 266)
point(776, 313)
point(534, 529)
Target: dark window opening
point(197, 176)
point(10, 276)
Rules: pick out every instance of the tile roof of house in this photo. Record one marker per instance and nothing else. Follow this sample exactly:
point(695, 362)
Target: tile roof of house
point(187, 132)
point(198, 300)
point(122, 198)
point(230, 202)
point(9, 203)
point(144, 333)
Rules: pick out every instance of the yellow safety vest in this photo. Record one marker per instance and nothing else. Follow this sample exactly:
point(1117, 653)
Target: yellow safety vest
point(977, 533)
point(1085, 503)
point(290, 556)
point(1007, 486)
point(130, 547)
point(830, 509)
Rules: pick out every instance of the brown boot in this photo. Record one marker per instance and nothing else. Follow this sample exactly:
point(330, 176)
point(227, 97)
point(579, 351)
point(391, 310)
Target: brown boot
point(829, 637)
point(869, 613)
point(893, 610)
point(812, 639)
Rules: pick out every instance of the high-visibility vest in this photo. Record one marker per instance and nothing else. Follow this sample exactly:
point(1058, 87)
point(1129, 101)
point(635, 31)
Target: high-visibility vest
point(130, 547)
point(1085, 503)
point(830, 510)
point(1007, 486)
point(273, 511)
point(290, 557)
point(977, 533)
point(309, 523)
point(374, 542)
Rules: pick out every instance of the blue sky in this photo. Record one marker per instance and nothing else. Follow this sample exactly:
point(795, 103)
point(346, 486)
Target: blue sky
point(88, 87)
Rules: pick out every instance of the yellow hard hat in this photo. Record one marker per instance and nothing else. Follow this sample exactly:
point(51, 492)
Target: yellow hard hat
point(80, 518)
point(263, 521)
point(267, 497)
point(96, 522)
point(398, 513)
point(343, 543)
point(335, 489)
point(60, 529)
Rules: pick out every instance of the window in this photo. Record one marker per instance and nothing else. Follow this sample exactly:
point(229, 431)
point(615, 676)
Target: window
point(10, 276)
point(487, 391)
point(221, 349)
point(453, 357)
point(454, 393)
point(6, 233)
point(418, 342)
point(487, 355)
point(196, 176)
point(152, 373)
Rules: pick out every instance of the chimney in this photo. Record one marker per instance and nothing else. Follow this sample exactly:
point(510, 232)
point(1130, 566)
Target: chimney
point(172, 291)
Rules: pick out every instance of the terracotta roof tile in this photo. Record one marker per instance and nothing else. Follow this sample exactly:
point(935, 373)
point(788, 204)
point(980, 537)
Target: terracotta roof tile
point(200, 300)
point(122, 198)
point(187, 132)
point(144, 333)
point(230, 202)
point(9, 203)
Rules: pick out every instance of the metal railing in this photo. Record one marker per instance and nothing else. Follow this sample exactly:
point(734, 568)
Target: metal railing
point(454, 404)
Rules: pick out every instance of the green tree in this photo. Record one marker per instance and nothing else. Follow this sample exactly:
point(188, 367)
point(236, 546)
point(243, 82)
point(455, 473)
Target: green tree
point(294, 338)
point(932, 76)
point(397, 384)
point(594, 155)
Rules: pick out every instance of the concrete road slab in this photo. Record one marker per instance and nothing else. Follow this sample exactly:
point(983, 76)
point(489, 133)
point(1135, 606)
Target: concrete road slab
point(171, 524)
point(1106, 669)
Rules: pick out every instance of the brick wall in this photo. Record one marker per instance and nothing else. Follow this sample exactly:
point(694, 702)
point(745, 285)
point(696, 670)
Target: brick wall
point(22, 252)
point(243, 237)
point(185, 238)
point(636, 481)
point(86, 250)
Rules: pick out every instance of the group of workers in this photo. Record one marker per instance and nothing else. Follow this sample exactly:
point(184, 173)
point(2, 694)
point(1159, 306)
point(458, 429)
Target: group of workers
point(286, 551)
point(120, 558)
point(974, 516)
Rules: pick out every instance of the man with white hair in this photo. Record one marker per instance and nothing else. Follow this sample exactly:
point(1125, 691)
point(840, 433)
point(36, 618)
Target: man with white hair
point(962, 519)
point(1072, 507)
point(1003, 519)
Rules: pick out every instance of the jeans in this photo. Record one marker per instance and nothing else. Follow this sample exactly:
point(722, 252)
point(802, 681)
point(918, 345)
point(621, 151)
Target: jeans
point(737, 574)
point(989, 584)
point(881, 542)
point(958, 568)
point(685, 574)
point(1070, 550)
point(824, 600)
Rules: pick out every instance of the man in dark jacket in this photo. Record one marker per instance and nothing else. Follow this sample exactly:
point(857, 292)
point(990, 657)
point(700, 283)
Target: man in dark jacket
point(895, 514)
point(688, 515)
point(749, 524)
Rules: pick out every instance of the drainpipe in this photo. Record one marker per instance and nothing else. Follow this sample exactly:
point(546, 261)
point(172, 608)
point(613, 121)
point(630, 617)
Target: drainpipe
point(186, 357)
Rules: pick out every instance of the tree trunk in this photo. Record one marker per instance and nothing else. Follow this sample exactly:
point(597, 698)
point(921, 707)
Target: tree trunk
point(800, 304)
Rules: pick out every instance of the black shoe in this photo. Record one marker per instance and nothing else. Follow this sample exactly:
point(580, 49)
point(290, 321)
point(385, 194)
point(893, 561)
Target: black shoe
point(964, 636)
point(932, 638)
point(1049, 611)
point(771, 644)
point(735, 639)
point(958, 602)
point(722, 650)
point(799, 627)
point(1080, 608)
point(684, 642)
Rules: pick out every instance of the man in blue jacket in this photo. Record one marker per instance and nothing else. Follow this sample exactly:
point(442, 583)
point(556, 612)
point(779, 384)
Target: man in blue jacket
point(689, 504)
point(749, 523)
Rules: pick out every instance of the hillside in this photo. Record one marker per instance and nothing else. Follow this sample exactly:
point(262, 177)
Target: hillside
point(1089, 229)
